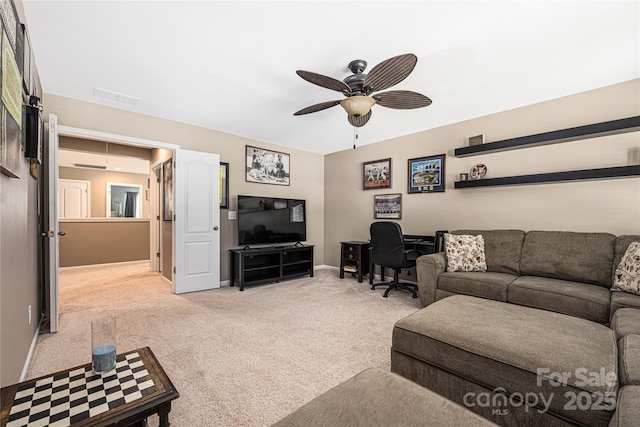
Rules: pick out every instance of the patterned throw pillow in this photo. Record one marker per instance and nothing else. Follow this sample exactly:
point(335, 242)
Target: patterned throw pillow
point(627, 275)
point(464, 252)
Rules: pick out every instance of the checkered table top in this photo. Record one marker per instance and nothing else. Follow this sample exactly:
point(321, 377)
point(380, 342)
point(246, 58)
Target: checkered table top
point(67, 398)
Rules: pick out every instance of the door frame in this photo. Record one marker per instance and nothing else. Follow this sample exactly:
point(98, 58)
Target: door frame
point(154, 224)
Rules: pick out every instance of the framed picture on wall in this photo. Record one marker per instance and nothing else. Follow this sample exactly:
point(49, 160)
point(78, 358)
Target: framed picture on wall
point(267, 167)
point(426, 174)
point(387, 206)
point(223, 189)
point(376, 174)
point(167, 187)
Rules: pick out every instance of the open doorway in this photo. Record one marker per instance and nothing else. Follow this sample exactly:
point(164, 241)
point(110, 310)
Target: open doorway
point(116, 225)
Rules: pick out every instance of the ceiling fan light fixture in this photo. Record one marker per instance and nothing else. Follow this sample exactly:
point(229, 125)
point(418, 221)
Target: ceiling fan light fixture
point(357, 105)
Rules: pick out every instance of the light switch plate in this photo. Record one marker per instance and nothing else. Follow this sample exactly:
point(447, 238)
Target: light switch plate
point(231, 215)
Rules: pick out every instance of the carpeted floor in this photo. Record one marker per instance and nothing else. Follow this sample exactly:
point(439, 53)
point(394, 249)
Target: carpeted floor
point(237, 358)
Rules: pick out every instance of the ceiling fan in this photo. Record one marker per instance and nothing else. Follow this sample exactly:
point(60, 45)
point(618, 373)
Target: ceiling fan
point(358, 88)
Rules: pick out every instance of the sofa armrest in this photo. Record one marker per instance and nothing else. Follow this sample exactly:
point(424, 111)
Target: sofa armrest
point(428, 268)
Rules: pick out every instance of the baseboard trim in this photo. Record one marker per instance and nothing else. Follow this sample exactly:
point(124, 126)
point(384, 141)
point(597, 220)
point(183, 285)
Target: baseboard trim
point(326, 267)
point(27, 362)
point(109, 264)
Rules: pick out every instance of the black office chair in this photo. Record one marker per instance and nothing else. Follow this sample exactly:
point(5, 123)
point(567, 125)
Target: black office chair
point(387, 250)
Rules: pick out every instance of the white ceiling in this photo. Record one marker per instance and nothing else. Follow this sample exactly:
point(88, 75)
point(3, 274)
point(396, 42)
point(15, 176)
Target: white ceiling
point(230, 65)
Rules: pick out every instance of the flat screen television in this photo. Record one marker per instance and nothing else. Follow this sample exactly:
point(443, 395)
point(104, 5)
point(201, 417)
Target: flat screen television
point(271, 220)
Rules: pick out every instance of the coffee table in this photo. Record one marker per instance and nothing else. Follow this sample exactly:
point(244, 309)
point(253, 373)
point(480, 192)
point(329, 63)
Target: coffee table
point(137, 388)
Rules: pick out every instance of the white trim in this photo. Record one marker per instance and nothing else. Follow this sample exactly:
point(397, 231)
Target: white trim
point(169, 282)
point(112, 137)
point(108, 264)
point(225, 283)
point(27, 362)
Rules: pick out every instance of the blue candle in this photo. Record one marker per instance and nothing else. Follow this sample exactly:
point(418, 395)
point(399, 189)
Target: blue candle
point(104, 358)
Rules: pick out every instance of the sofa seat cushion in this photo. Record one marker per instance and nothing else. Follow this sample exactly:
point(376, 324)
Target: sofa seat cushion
point(577, 257)
point(479, 284)
point(516, 348)
point(629, 362)
point(376, 397)
point(624, 300)
point(589, 302)
point(626, 321)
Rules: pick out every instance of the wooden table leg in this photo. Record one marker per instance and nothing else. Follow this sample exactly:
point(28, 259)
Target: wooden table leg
point(163, 413)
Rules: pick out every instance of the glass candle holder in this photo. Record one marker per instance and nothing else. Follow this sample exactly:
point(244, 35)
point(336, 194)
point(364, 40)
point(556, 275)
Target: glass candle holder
point(103, 344)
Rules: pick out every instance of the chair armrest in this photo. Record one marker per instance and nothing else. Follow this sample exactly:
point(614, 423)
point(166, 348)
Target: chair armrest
point(428, 268)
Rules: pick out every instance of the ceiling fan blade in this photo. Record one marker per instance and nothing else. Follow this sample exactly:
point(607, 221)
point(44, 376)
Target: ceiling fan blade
point(360, 120)
point(390, 72)
point(402, 99)
point(324, 81)
point(316, 107)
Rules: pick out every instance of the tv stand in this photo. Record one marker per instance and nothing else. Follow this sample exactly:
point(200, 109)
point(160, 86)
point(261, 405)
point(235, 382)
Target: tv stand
point(271, 264)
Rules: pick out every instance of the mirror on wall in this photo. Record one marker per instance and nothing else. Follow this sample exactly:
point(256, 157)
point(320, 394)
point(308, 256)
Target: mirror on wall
point(123, 200)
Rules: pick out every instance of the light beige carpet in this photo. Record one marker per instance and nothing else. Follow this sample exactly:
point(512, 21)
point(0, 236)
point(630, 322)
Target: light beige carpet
point(237, 358)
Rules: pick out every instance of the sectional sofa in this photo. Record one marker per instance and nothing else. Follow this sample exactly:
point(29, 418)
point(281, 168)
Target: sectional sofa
point(538, 338)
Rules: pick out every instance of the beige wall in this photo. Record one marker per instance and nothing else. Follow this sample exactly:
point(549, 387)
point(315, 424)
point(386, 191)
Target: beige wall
point(605, 205)
point(307, 169)
point(99, 179)
point(19, 271)
point(19, 265)
point(91, 242)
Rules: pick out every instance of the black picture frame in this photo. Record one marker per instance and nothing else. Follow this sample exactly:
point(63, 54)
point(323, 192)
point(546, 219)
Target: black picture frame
point(167, 190)
point(376, 174)
point(387, 206)
point(223, 189)
point(427, 174)
point(267, 167)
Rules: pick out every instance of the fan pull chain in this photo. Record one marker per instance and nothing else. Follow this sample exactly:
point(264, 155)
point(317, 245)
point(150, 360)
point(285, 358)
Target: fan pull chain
point(355, 137)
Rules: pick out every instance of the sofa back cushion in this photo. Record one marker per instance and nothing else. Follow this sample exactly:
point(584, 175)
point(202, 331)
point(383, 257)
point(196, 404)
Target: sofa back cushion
point(578, 257)
point(502, 249)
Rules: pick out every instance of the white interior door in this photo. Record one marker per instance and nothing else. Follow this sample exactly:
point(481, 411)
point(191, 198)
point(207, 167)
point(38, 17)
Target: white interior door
point(73, 198)
point(51, 227)
point(196, 251)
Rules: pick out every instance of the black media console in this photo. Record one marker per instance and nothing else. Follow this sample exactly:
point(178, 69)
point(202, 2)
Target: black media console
point(270, 264)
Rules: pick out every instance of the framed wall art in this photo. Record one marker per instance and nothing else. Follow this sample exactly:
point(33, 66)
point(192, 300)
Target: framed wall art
point(11, 104)
point(376, 174)
point(387, 206)
point(426, 174)
point(267, 167)
point(223, 190)
point(167, 193)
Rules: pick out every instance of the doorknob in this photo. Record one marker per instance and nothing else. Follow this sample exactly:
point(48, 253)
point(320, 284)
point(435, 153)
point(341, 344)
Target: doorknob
point(61, 233)
point(215, 228)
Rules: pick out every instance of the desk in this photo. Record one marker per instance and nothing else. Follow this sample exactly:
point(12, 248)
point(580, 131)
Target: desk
point(421, 244)
point(137, 388)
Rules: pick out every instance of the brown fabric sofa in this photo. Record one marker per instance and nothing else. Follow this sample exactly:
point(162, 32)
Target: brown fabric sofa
point(565, 272)
point(378, 398)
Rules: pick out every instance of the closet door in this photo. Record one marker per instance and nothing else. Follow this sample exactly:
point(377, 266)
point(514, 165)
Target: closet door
point(73, 199)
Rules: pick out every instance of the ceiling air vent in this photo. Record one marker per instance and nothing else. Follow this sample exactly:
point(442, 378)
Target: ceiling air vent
point(82, 165)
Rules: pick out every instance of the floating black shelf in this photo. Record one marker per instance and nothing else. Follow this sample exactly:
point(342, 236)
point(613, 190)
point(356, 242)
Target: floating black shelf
point(630, 124)
point(586, 174)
